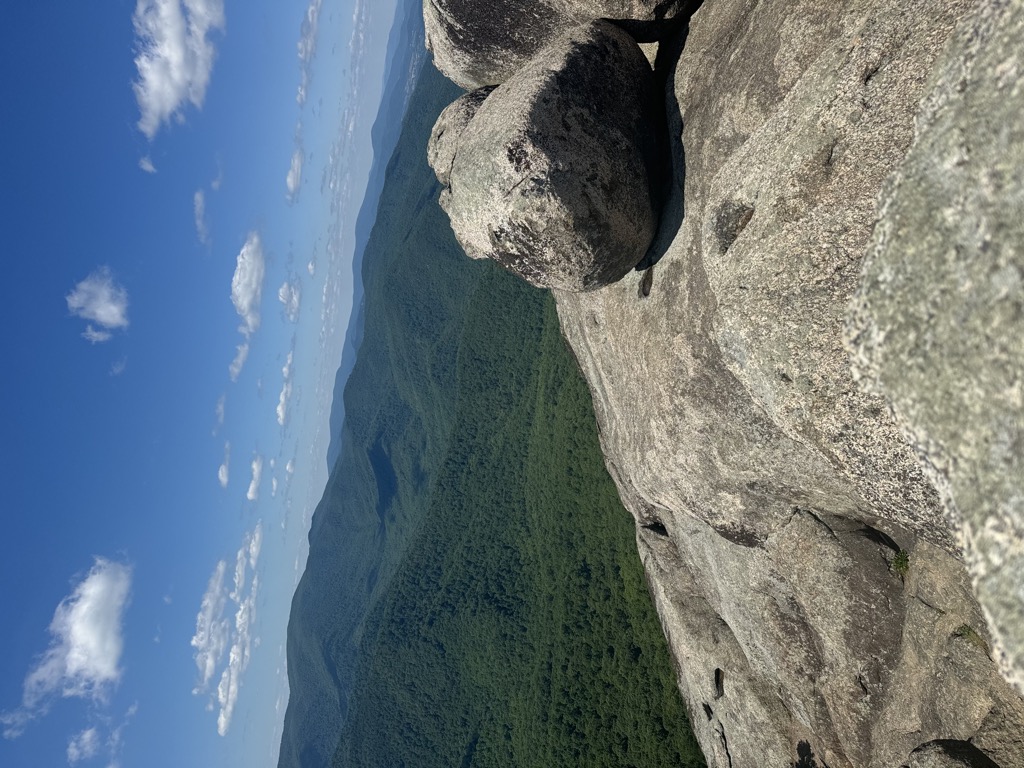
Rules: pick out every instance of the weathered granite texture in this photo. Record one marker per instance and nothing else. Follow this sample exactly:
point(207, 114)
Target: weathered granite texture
point(938, 326)
point(450, 125)
point(775, 493)
point(550, 173)
point(484, 43)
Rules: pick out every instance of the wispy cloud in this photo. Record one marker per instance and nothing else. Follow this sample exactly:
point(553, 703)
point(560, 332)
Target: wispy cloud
point(293, 179)
point(307, 48)
point(175, 55)
point(100, 300)
point(218, 413)
point(94, 335)
point(199, 212)
point(282, 402)
point(286, 390)
point(146, 164)
point(212, 629)
point(247, 283)
point(218, 637)
point(222, 470)
point(254, 485)
point(241, 354)
point(290, 295)
point(118, 366)
point(84, 656)
point(83, 746)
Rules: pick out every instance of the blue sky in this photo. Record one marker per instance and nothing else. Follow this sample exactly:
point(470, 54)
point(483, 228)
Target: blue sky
point(181, 183)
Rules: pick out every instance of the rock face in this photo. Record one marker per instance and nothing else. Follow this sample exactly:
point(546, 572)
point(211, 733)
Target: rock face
point(814, 408)
point(937, 326)
point(549, 174)
point(775, 494)
point(477, 42)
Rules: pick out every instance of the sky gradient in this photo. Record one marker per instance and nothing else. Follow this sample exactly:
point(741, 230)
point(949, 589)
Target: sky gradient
point(183, 178)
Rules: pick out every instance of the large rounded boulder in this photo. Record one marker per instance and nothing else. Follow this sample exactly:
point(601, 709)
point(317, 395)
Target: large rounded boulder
point(484, 42)
point(551, 175)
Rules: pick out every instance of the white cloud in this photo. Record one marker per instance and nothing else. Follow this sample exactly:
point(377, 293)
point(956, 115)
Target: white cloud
point(212, 629)
point(241, 354)
point(311, 268)
point(255, 545)
point(99, 299)
point(294, 177)
point(219, 412)
point(254, 485)
point(282, 402)
point(233, 638)
point(222, 470)
point(84, 657)
point(83, 746)
point(290, 295)
point(118, 366)
point(247, 283)
point(199, 212)
point(290, 466)
point(273, 487)
point(94, 336)
point(174, 56)
point(146, 164)
point(307, 48)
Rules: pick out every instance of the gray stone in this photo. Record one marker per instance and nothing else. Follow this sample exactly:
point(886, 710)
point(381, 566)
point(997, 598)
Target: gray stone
point(444, 138)
point(551, 176)
point(938, 323)
point(481, 42)
point(773, 493)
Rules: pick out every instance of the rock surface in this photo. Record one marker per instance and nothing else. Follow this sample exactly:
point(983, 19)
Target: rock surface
point(477, 42)
point(551, 175)
point(799, 552)
point(938, 325)
point(450, 125)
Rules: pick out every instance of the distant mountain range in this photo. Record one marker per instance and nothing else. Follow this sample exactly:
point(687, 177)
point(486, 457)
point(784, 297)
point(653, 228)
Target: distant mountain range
point(405, 57)
point(397, 402)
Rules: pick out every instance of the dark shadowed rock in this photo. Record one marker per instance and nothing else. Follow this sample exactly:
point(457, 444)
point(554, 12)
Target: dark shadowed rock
point(482, 42)
point(444, 138)
point(551, 177)
point(799, 553)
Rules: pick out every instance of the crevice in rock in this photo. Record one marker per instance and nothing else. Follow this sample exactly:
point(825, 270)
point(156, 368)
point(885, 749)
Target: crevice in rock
point(801, 511)
point(879, 537)
point(719, 683)
point(656, 527)
point(805, 757)
point(725, 742)
point(963, 752)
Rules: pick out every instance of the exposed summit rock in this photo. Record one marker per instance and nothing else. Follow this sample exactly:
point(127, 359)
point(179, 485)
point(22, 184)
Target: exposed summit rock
point(549, 175)
point(450, 125)
point(480, 42)
point(938, 326)
point(774, 494)
point(849, 198)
